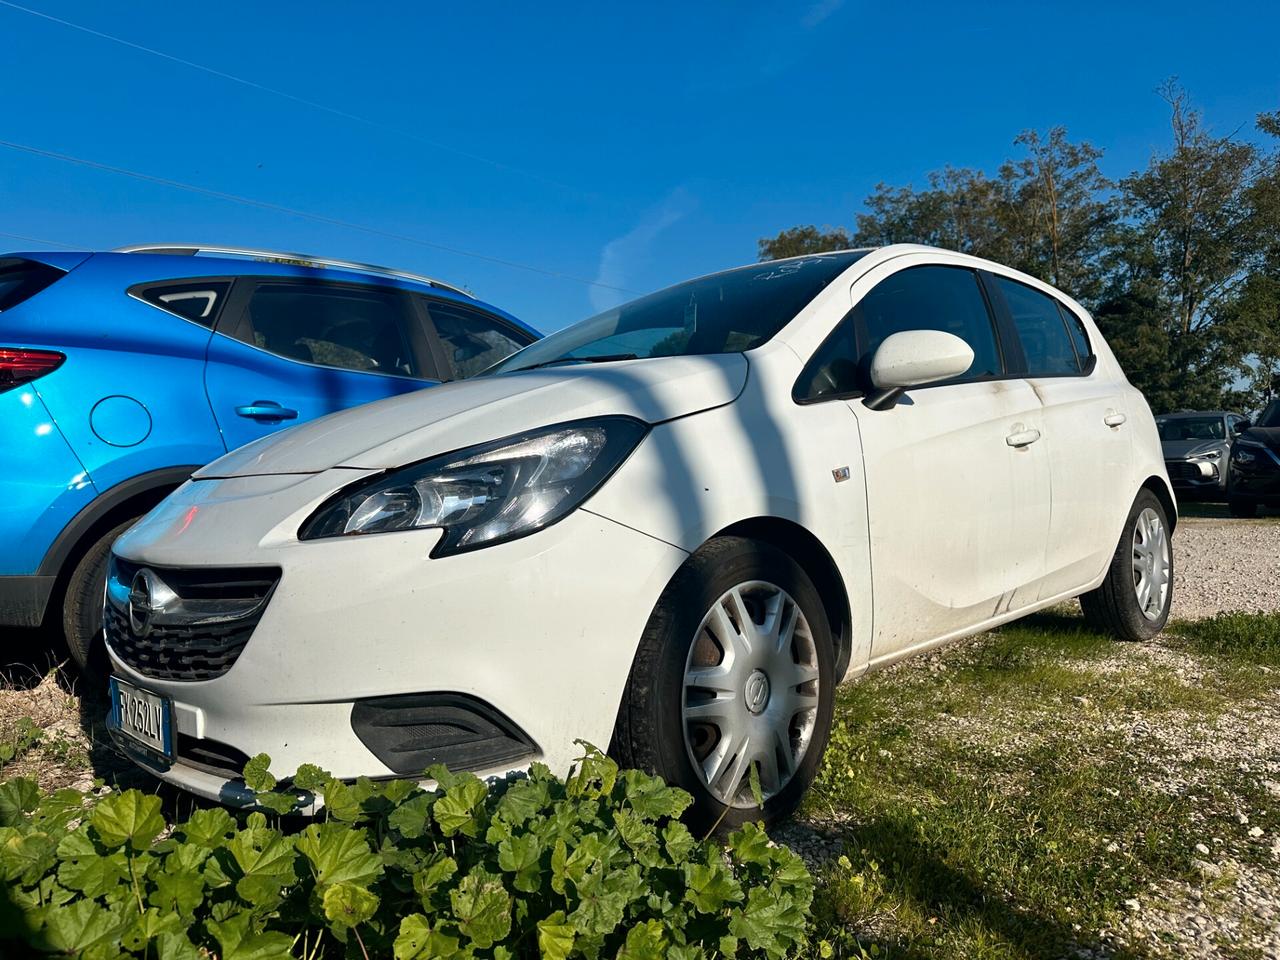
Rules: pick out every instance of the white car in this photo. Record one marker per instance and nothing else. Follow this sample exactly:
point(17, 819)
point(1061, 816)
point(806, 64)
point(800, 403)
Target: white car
point(670, 530)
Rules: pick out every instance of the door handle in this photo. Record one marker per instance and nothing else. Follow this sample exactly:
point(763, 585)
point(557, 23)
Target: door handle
point(266, 410)
point(1021, 436)
point(1114, 419)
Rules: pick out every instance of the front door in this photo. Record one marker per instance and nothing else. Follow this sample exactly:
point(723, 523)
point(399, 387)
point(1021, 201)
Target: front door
point(957, 475)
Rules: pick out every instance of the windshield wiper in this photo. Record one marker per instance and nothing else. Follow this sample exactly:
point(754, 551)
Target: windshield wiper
point(602, 358)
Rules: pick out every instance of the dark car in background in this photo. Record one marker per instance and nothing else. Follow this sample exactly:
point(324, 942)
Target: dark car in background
point(122, 372)
point(1197, 450)
point(1255, 465)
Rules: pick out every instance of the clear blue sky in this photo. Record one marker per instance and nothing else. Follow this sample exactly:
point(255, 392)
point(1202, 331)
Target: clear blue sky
point(635, 148)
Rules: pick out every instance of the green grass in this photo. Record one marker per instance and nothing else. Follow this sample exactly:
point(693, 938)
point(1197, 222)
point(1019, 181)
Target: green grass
point(998, 808)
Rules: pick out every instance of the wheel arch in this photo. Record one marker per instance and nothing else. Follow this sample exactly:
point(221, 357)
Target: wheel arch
point(1160, 487)
point(808, 551)
point(130, 498)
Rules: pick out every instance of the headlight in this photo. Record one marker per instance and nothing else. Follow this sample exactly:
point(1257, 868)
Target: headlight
point(1209, 455)
point(485, 494)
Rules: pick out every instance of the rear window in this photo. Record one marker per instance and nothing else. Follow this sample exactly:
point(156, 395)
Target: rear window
point(22, 279)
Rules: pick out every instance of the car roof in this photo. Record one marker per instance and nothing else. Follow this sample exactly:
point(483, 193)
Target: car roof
point(159, 262)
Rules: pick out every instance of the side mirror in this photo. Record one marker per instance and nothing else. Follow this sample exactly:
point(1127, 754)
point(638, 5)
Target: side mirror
point(913, 358)
point(1241, 426)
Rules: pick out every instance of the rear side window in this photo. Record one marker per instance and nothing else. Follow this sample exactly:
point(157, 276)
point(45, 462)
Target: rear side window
point(197, 301)
point(472, 340)
point(1047, 341)
point(349, 328)
point(918, 298)
point(22, 279)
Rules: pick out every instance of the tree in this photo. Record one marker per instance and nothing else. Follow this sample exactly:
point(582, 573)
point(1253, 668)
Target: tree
point(801, 241)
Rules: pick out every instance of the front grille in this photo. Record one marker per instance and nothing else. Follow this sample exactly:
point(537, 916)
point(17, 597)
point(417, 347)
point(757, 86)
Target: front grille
point(188, 651)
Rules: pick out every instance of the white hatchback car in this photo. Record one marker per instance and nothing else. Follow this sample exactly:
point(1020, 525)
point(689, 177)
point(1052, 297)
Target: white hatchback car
point(671, 529)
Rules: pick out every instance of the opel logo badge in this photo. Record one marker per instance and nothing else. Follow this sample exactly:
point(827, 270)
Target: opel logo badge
point(142, 601)
point(757, 691)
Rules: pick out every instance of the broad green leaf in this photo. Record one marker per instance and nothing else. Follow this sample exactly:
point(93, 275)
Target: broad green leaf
point(753, 778)
point(176, 946)
point(88, 871)
point(651, 798)
point(239, 942)
point(418, 941)
point(132, 817)
point(346, 904)
point(709, 886)
point(310, 777)
point(678, 841)
point(482, 907)
point(262, 851)
point(772, 921)
point(257, 775)
point(429, 879)
point(523, 800)
point(340, 802)
point(595, 776)
point(338, 853)
point(27, 857)
point(639, 835)
point(180, 893)
point(555, 937)
point(603, 897)
point(645, 941)
point(410, 818)
point(78, 926)
point(277, 802)
point(208, 827)
point(17, 799)
point(521, 855)
point(456, 811)
point(149, 925)
point(750, 844)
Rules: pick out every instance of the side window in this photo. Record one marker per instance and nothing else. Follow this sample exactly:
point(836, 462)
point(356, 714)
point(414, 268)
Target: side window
point(1079, 338)
point(918, 298)
point(348, 327)
point(1042, 329)
point(472, 341)
point(194, 300)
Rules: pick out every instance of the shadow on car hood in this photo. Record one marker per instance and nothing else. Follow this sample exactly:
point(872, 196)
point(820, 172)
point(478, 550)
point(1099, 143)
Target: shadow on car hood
point(413, 426)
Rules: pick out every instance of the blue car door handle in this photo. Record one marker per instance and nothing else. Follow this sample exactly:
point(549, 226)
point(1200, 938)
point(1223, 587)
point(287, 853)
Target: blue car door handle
point(266, 410)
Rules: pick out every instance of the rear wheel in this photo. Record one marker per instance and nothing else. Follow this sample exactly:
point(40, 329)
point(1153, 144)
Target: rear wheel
point(735, 671)
point(1242, 508)
point(1133, 601)
point(82, 607)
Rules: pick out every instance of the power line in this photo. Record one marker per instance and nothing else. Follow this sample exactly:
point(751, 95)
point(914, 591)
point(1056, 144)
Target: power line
point(315, 105)
point(302, 214)
point(47, 243)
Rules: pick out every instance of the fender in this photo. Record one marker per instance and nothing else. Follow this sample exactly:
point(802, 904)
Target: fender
point(103, 506)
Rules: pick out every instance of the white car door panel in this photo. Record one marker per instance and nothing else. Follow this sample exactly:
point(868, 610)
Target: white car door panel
point(958, 512)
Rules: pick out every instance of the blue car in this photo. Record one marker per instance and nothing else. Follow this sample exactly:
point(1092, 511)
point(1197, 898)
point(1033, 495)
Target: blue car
point(123, 372)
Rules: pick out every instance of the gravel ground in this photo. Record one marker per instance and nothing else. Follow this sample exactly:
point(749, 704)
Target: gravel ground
point(1225, 565)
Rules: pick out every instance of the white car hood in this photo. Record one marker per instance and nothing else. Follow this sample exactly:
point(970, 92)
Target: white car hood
point(390, 433)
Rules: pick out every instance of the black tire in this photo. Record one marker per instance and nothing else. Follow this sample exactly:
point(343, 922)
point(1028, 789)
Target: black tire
point(1242, 508)
point(650, 732)
point(1113, 607)
point(82, 607)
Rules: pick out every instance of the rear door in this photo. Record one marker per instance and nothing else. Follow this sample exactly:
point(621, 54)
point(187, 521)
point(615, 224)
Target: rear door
point(288, 350)
point(1086, 434)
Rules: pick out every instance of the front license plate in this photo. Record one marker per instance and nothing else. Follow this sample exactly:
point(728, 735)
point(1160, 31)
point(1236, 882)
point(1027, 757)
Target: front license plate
point(144, 717)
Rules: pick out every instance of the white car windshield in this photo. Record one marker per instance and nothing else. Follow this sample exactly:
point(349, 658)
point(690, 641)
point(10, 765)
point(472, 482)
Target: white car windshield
point(727, 312)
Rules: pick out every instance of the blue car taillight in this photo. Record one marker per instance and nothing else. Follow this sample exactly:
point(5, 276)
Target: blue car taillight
point(19, 365)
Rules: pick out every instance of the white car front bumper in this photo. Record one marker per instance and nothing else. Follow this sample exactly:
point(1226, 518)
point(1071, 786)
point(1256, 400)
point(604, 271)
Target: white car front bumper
point(542, 629)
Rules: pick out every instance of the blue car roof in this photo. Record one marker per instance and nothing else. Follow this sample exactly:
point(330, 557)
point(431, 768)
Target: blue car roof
point(140, 267)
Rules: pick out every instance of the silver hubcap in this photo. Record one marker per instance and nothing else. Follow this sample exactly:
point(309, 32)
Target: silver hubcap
point(1150, 564)
point(750, 692)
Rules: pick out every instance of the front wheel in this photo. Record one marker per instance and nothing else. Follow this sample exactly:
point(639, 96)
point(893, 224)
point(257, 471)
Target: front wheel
point(1133, 601)
point(82, 608)
point(734, 672)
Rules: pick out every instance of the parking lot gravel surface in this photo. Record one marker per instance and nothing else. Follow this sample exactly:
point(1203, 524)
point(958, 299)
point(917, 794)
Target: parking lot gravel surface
point(1225, 565)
